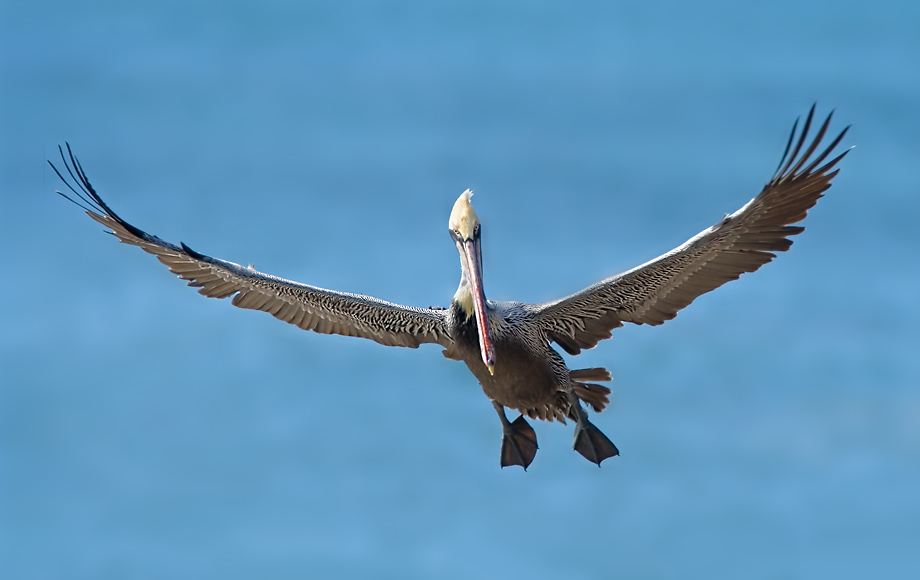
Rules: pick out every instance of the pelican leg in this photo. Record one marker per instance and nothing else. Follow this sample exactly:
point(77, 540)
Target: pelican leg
point(519, 441)
point(589, 441)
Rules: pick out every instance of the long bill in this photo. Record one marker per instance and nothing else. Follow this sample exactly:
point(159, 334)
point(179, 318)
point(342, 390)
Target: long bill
point(474, 263)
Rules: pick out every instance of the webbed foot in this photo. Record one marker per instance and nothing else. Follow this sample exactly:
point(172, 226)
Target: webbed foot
point(589, 441)
point(519, 444)
point(592, 444)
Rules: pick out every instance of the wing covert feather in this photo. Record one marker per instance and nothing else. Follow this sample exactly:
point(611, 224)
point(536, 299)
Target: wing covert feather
point(741, 242)
point(308, 307)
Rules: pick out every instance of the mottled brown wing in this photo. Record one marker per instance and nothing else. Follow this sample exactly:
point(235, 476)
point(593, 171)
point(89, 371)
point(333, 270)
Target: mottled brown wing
point(742, 242)
point(308, 307)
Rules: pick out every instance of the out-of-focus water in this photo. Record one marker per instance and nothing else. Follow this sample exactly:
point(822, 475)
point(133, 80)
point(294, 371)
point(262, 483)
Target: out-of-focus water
point(771, 431)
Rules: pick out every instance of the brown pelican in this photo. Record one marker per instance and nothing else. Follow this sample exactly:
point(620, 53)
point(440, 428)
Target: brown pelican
point(507, 345)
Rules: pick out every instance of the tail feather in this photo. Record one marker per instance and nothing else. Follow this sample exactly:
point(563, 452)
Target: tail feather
point(594, 395)
point(549, 413)
point(591, 393)
point(595, 374)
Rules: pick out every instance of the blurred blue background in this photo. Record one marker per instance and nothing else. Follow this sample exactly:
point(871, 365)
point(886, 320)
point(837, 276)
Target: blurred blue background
point(771, 431)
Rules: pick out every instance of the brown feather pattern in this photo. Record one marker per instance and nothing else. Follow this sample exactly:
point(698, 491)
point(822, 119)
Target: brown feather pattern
point(741, 242)
point(308, 307)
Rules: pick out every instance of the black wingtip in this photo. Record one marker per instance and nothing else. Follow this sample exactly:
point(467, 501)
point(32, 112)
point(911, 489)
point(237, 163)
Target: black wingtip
point(87, 196)
point(86, 193)
point(788, 166)
point(782, 159)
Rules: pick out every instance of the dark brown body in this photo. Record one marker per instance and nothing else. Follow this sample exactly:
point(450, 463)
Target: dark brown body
point(530, 376)
point(523, 379)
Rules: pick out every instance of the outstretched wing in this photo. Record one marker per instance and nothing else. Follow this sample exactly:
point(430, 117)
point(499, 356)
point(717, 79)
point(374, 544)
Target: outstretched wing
point(742, 242)
point(309, 307)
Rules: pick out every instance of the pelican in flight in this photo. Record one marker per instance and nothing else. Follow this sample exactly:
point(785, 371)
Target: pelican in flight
point(508, 346)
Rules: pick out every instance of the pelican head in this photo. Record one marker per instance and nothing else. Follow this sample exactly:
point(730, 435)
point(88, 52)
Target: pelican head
point(464, 229)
